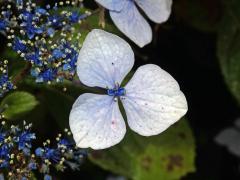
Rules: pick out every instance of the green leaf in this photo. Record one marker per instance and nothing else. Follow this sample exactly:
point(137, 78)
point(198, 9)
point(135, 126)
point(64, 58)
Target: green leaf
point(59, 105)
point(167, 156)
point(17, 104)
point(229, 46)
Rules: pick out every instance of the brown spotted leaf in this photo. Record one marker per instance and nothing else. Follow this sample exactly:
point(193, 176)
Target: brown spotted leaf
point(167, 156)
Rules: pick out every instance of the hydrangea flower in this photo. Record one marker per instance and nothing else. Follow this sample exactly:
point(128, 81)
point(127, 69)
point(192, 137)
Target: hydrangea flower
point(19, 160)
point(45, 37)
point(152, 99)
point(127, 18)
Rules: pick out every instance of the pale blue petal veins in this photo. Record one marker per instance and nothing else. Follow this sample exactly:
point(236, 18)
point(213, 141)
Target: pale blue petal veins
point(96, 121)
point(153, 101)
point(104, 60)
point(157, 10)
point(114, 5)
point(132, 24)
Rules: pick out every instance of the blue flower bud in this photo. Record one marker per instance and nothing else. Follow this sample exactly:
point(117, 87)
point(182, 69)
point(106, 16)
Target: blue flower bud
point(39, 152)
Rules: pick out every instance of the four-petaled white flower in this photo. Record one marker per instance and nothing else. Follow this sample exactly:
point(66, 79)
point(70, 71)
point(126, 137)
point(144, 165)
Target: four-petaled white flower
point(127, 18)
point(152, 98)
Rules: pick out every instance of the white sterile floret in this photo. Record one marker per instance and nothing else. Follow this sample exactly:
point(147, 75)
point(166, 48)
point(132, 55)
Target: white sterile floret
point(129, 20)
point(229, 138)
point(152, 99)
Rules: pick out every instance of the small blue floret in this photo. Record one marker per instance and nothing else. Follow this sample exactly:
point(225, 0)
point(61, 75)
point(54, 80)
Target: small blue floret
point(50, 31)
point(19, 46)
point(74, 17)
point(32, 165)
point(3, 24)
point(39, 152)
point(41, 11)
point(47, 177)
point(66, 67)
point(57, 53)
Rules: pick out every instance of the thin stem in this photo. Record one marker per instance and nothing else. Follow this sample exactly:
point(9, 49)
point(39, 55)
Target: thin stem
point(102, 17)
point(18, 78)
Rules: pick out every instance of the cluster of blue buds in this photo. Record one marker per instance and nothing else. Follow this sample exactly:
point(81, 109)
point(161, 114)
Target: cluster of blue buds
point(44, 37)
point(18, 159)
point(5, 83)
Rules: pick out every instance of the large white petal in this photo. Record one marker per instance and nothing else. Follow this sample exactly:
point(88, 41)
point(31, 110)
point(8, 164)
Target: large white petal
point(132, 24)
point(157, 10)
point(96, 121)
point(115, 5)
point(153, 101)
point(104, 59)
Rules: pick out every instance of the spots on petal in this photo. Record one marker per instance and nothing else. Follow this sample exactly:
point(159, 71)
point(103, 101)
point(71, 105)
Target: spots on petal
point(114, 124)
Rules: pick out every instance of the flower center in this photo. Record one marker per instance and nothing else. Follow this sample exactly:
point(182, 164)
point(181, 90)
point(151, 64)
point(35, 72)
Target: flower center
point(117, 91)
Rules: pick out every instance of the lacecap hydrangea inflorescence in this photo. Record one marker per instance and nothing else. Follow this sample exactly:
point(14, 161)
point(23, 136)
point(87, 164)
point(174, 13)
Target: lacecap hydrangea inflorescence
point(19, 159)
point(43, 36)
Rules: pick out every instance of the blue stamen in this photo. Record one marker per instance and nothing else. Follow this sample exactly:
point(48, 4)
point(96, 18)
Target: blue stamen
point(117, 92)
